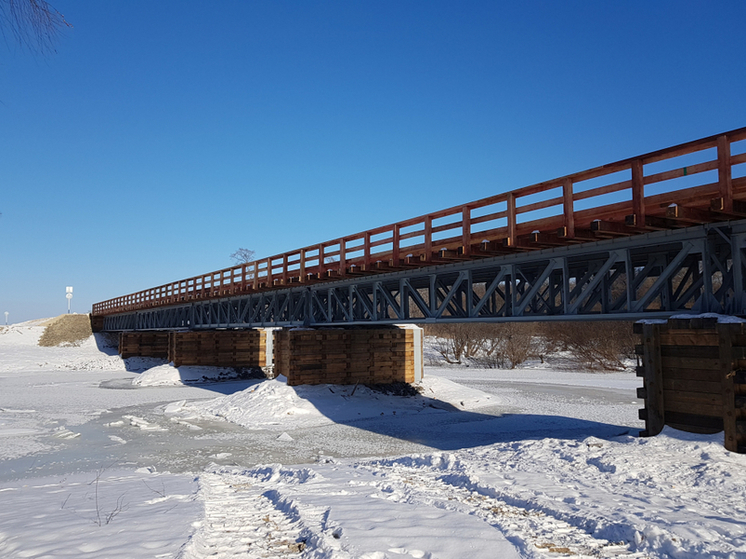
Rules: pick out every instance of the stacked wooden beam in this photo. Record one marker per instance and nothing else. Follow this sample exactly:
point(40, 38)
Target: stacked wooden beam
point(97, 323)
point(143, 344)
point(348, 356)
point(694, 373)
point(219, 348)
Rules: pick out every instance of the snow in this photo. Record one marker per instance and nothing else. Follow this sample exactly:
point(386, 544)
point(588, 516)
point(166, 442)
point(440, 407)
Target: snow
point(541, 461)
point(169, 375)
point(83, 515)
point(721, 318)
point(275, 405)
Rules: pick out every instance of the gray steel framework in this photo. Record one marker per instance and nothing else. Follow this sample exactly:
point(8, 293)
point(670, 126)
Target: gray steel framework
point(697, 269)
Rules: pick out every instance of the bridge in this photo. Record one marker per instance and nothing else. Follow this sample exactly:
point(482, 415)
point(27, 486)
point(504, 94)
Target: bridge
point(649, 236)
point(646, 237)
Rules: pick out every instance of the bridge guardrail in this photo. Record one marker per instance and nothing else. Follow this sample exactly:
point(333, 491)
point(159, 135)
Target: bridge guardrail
point(678, 186)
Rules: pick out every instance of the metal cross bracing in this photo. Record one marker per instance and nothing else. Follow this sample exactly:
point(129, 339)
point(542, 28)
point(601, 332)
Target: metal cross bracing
point(654, 275)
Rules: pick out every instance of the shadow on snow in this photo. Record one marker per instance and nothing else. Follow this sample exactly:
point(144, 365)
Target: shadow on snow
point(421, 419)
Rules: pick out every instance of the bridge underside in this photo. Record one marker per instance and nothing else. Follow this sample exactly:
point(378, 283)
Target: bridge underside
point(654, 275)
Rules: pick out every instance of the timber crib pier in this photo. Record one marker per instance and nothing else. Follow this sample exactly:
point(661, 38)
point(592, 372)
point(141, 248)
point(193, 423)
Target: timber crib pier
point(694, 373)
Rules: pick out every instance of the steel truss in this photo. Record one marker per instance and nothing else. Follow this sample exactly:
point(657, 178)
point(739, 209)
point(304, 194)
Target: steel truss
point(697, 269)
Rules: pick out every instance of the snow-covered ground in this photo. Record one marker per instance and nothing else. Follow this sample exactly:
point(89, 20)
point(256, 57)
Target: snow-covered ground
point(535, 462)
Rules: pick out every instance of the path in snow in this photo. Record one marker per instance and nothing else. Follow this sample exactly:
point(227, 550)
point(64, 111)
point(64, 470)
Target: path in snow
point(240, 521)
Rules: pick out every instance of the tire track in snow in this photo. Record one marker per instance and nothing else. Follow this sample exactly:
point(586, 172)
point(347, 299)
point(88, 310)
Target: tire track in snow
point(534, 531)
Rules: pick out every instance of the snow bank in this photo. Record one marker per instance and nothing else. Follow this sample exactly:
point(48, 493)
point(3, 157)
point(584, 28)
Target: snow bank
point(168, 375)
point(273, 403)
point(19, 351)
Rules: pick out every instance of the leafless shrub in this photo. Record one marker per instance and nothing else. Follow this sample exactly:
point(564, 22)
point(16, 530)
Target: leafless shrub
point(492, 345)
point(457, 342)
point(597, 345)
point(508, 344)
point(120, 506)
point(161, 493)
point(543, 344)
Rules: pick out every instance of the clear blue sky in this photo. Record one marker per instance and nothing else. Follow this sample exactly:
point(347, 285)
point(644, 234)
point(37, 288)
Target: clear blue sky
point(162, 136)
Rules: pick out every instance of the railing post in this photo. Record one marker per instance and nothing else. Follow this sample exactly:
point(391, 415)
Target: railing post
point(256, 274)
point(285, 268)
point(270, 281)
point(302, 265)
point(466, 229)
point(511, 219)
point(342, 257)
point(395, 245)
point(428, 238)
point(638, 193)
point(724, 173)
point(322, 268)
point(569, 211)
point(366, 258)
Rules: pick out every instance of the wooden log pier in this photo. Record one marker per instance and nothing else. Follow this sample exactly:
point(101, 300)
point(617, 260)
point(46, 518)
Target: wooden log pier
point(375, 355)
point(694, 375)
point(379, 355)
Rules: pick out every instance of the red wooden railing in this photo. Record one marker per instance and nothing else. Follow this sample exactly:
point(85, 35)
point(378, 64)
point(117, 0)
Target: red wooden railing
point(697, 182)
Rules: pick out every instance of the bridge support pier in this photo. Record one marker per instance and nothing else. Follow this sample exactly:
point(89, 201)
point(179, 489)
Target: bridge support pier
point(249, 348)
point(350, 355)
point(694, 375)
point(365, 355)
point(144, 344)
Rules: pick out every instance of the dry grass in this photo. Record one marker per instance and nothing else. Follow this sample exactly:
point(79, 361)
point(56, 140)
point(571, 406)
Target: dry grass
point(66, 330)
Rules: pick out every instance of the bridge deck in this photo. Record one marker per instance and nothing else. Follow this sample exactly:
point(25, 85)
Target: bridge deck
point(699, 182)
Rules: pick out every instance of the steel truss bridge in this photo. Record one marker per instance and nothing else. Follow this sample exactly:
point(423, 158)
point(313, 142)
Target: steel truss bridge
point(696, 269)
point(646, 237)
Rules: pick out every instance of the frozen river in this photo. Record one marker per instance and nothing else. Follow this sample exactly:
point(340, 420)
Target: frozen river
point(82, 420)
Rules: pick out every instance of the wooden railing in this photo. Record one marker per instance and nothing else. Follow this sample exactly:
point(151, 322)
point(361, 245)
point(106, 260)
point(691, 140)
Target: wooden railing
point(696, 182)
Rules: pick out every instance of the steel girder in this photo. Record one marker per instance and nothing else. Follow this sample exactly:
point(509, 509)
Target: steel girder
point(697, 269)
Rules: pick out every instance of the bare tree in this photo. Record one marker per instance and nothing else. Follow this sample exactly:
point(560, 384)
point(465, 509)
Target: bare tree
point(457, 341)
point(34, 24)
point(594, 345)
point(597, 345)
point(243, 256)
point(508, 344)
